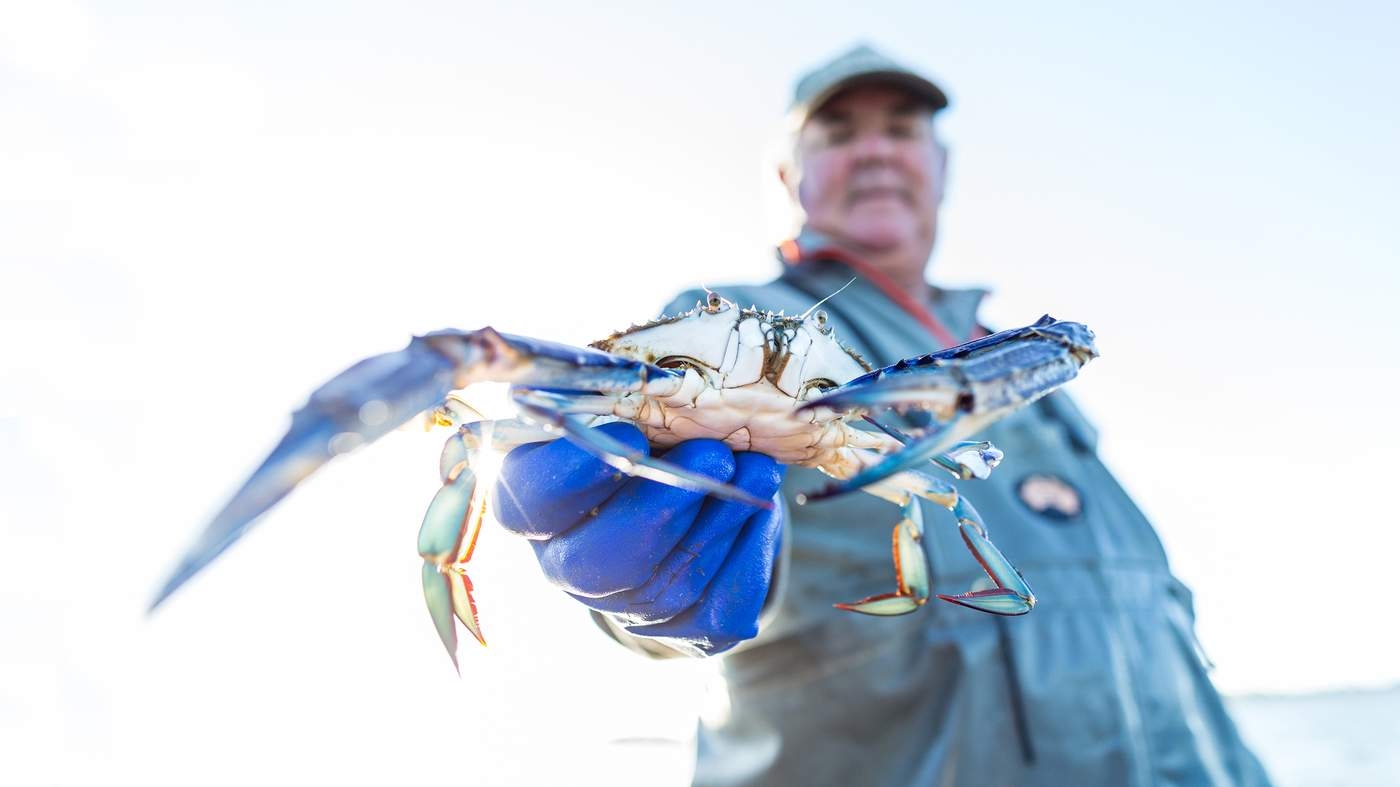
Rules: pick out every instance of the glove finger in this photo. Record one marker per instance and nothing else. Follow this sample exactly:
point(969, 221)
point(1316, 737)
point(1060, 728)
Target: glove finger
point(729, 612)
point(680, 581)
point(620, 547)
point(546, 488)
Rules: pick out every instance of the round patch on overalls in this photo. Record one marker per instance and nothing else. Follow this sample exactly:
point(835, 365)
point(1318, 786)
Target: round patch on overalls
point(1050, 496)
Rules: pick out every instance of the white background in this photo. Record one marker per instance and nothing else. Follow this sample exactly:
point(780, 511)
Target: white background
point(207, 210)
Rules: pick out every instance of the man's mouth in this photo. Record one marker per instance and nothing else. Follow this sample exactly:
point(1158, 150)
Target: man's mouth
point(877, 193)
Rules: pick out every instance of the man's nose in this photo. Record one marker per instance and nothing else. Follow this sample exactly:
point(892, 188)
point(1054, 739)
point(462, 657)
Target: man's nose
point(873, 146)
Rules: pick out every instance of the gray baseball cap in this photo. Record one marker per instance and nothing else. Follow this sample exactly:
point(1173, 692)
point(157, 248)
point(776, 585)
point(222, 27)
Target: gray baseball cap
point(859, 66)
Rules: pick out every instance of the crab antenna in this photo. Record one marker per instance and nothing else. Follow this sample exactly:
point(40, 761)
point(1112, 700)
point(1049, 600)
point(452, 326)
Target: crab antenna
point(808, 313)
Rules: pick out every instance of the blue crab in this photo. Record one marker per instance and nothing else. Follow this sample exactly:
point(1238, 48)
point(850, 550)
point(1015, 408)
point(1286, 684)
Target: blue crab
point(759, 381)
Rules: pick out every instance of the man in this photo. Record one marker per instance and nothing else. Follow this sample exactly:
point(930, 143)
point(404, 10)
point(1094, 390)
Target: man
point(1103, 684)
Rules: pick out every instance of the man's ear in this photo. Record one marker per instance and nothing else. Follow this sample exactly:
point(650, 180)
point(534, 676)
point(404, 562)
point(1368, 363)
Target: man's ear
point(789, 177)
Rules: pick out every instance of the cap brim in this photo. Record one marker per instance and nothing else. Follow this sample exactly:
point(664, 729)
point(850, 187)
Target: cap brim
point(916, 85)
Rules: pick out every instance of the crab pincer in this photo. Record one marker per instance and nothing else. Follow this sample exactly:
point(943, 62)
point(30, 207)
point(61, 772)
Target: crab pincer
point(983, 379)
point(383, 392)
point(358, 406)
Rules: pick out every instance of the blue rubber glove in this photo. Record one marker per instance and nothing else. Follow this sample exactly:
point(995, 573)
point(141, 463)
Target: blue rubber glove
point(659, 561)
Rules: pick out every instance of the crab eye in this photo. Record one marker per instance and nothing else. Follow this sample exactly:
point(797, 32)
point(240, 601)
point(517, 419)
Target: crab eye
point(815, 387)
point(680, 362)
point(824, 325)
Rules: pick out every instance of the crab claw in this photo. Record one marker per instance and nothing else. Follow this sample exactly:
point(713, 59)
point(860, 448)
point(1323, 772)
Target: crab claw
point(1011, 596)
point(358, 406)
point(927, 389)
point(987, 377)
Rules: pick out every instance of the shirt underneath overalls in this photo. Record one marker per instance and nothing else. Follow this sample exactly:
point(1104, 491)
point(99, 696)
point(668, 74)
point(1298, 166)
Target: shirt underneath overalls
point(1103, 683)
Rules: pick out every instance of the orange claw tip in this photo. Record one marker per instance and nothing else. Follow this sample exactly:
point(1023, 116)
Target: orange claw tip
point(448, 593)
point(463, 603)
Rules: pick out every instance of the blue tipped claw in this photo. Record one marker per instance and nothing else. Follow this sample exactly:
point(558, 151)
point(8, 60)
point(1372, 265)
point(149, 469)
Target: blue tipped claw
point(987, 376)
point(379, 394)
point(358, 406)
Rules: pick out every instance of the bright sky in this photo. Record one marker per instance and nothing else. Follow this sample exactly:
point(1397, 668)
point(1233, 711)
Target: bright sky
point(203, 215)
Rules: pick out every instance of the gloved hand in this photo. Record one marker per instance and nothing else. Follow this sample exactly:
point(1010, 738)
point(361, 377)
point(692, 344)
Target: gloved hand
point(659, 561)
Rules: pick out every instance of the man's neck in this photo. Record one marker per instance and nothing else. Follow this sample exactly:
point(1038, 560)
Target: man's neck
point(903, 265)
point(903, 268)
point(895, 274)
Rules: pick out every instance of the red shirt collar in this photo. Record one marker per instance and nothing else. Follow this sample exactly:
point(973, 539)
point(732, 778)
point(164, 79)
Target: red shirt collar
point(808, 247)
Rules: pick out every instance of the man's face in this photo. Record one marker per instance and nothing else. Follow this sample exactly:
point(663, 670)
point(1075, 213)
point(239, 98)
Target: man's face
point(869, 170)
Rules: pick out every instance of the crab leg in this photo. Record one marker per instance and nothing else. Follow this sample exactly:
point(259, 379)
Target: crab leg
point(554, 410)
point(1011, 594)
point(445, 541)
point(910, 568)
point(500, 435)
point(452, 524)
point(381, 393)
point(964, 460)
